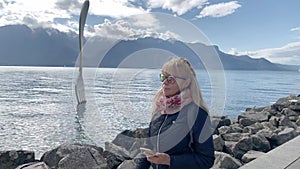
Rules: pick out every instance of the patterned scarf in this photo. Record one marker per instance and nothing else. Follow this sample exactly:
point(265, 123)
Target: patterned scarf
point(171, 105)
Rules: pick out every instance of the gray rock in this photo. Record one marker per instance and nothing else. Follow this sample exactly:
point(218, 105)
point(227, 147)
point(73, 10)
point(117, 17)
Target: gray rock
point(12, 159)
point(113, 161)
point(219, 121)
point(127, 164)
point(127, 138)
point(288, 112)
point(298, 130)
point(250, 130)
point(234, 136)
point(285, 121)
point(218, 142)
point(255, 114)
point(223, 160)
point(241, 147)
point(268, 125)
point(284, 136)
point(298, 121)
point(274, 121)
point(234, 128)
point(228, 147)
point(74, 156)
point(291, 102)
point(294, 119)
point(267, 133)
point(246, 121)
point(34, 165)
point(251, 155)
point(120, 151)
point(224, 130)
point(260, 143)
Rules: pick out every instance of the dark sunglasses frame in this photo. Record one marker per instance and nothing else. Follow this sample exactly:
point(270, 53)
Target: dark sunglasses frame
point(163, 77)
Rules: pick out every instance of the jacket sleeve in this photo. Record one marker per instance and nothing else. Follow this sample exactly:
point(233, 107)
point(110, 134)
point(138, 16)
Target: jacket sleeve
point(141, 160)
point(202, 155)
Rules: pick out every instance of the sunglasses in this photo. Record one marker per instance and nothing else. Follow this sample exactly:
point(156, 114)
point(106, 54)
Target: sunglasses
point(170, 79)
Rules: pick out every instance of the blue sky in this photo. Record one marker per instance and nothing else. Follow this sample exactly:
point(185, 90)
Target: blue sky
point(258, 28)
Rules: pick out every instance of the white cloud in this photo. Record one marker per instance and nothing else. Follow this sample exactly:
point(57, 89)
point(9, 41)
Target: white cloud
point(32, 13)
point(114, 8)
point(296, 29)
point(2, 4)
point(122, 29)
point(177, 6)
point(288, 54)
point(44, 13)
point(219, 10)
point(68, 5)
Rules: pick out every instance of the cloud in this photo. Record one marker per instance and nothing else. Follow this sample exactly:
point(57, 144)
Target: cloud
point(177, 6)
point(51, 13)
point(32, 13)
point(296, 29)
point(115, 8)
point(123, 29)
point(2, 4)
point(68, 5)
point(219, 10)
point(288, 54)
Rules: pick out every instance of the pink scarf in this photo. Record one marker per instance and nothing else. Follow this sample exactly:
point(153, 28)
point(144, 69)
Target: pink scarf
point(171, 105)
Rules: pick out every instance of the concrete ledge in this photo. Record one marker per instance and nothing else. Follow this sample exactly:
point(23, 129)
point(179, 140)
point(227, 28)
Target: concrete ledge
point(286, 156)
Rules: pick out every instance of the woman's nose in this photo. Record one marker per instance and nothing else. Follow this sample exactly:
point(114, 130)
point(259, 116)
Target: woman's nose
point(165, 82)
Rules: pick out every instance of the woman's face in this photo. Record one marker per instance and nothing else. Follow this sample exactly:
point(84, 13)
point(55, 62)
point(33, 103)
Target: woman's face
point(170, 85)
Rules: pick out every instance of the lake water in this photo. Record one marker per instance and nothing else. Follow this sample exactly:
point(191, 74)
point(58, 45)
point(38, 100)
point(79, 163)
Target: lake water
point(38, 110)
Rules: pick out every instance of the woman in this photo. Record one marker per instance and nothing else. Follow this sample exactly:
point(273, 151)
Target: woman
point(179, 132)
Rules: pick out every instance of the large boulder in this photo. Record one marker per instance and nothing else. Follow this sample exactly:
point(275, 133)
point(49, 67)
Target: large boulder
point(285, 121)
point(254, 115)
point(251, 155)
point(260, 143)
point(128, 139)
point(291, 102)
point(234, 128)
point(218, 142)
point(223, 160)
point(234, 136)
point(246, 121)
point(120, 151)
point(74, 156)
point(12, 159)
point(254, 128)
point(228, 147)
point(241, 147)
point(219, 121)
point(283, 136)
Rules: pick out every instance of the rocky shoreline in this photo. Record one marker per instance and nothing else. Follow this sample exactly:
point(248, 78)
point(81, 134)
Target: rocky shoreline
point(237, 142)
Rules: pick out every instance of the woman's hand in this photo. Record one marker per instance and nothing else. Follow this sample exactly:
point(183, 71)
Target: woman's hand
point(159, 158)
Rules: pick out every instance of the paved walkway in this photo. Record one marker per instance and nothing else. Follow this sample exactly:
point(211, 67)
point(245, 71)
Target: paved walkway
point(286, 156)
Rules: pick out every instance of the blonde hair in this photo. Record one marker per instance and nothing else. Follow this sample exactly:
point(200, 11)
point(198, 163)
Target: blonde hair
point(182, 68)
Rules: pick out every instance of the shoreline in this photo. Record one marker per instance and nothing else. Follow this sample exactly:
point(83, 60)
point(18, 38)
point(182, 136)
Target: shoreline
point(237, 141)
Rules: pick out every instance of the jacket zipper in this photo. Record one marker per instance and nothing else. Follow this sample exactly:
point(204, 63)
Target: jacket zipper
point(158, 135)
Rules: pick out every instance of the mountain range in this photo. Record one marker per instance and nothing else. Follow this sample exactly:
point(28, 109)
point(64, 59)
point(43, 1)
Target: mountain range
point(23, 46)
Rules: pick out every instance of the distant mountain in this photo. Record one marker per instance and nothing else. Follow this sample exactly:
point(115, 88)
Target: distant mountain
point(20, 45)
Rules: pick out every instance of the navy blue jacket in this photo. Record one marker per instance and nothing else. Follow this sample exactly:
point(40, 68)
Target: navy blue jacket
point(185, 136)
